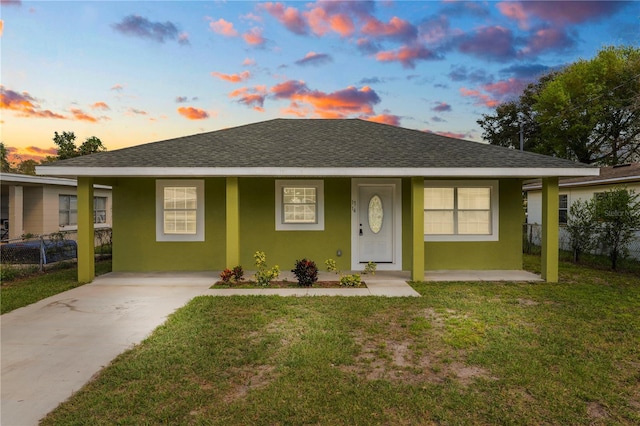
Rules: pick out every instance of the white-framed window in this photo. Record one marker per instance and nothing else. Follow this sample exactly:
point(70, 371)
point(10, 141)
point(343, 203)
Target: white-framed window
point(179, 210)
point(461, 210)
point(68, 210)
point(99, 209)
point(299, 205)
point(563, 209)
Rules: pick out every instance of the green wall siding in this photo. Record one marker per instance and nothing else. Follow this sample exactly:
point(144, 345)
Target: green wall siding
point(135, 247)
point(283, 248)
point(134, 230)
point(503, 254)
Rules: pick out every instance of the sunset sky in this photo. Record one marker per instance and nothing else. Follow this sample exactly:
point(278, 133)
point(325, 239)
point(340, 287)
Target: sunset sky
point(142, 71)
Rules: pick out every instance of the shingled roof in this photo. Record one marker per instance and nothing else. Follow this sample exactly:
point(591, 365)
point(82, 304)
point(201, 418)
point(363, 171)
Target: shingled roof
point(290, 147)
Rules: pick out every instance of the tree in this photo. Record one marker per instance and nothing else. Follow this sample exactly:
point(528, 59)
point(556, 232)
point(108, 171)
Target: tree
point(617, 213)
point(580, 226)
point(503, 128)
point(587, 112)
point(5, 166)
point(26, 167)
point(67, 147)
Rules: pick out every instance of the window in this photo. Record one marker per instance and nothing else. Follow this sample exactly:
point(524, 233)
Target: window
point(299, 205)
point(179, 210)
point(68, 214)
point(563, 210)
point(68, 210)
point(461, 211)
point(99, 209)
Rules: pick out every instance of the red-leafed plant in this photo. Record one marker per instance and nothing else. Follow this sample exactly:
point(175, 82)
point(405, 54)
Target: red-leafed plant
point(306, 272)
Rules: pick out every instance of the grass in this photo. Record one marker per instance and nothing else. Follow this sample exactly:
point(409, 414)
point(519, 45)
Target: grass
point(23, 291)
point(464, 353)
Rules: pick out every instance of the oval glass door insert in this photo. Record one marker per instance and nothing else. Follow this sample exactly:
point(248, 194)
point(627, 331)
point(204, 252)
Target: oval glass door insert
point(376, 214)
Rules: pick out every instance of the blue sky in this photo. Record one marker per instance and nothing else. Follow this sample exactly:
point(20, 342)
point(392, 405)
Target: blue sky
point(142, 71)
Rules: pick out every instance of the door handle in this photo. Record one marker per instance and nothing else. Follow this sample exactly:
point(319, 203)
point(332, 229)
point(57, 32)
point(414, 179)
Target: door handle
point(361, 230)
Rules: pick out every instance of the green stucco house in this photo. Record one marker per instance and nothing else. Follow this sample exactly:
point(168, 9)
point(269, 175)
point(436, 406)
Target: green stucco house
point(351, 190)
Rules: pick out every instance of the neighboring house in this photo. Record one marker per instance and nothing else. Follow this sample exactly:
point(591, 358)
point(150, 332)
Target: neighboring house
point(351, 190)
point(583, 188)
point(44, 205)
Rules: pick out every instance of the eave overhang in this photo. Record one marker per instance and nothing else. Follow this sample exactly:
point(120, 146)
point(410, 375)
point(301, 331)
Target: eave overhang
point(433, 172)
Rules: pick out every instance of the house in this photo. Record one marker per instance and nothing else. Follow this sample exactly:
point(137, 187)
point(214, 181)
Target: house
point(44, 205)
point(583, 188)
point(351, 190)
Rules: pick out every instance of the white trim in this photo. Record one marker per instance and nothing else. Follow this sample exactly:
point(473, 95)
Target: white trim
point(537, 187)
point(495, 213)
point(160, 185)
point(43, 180)
point(319, 225)
point(396, 185)
point(454, 172)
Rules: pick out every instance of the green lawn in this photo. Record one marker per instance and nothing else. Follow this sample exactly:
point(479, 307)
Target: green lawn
point(464, 353)
point(21, 292)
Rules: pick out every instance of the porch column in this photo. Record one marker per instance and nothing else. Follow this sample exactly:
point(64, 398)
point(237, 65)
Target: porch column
point(550, 229)
point(233, 223)
point(417, 228)
point(86, 243)
point(16, 212)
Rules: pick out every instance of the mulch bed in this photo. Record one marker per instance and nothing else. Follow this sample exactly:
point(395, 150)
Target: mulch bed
point(283, 284)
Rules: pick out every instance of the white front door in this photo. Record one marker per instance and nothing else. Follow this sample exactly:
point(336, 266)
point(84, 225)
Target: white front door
point(377, 225)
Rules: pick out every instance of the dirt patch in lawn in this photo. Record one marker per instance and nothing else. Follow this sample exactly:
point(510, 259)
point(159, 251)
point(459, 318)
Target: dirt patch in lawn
point(413, 351)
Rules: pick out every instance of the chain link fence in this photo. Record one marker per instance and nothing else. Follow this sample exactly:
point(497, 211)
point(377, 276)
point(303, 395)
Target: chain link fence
point(532, 240)
point(51, 248)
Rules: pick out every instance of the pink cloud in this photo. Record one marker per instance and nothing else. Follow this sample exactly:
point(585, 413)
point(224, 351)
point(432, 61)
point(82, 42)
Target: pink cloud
point(223, 27)
point(396, 28)
point(482, 99)
point(1, 27)
point(338, 104)
point(117, 87)
point(101, 106)
point(545, 39)
point(391, 119)
point(515, 11)
point(24, 104)
point(287, 89)
point(251, 96)
point(406, 55)
point(450, 134)
point(192, 113)
point(80, 115)
point(494, 42)
point(560, 12)
point(313, 58)
point(441, 107)
point(248, 62)
point(505, 88)
point(254, 37)
point(290, 17)
point(322, 19)
point(233, 78)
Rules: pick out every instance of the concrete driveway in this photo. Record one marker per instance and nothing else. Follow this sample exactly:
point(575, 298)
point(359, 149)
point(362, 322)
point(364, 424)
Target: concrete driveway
point(52, 348)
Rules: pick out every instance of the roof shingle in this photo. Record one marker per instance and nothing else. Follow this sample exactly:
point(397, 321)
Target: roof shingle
point(316, 143)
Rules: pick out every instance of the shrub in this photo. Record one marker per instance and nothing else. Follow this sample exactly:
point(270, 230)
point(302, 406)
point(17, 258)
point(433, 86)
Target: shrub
point(331, 265)
point(264, 274)
point(234, 274)
point(350, 280)
point(226, 275)
point(306, 272)
point(370, 268)
point(238, 273)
